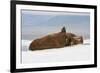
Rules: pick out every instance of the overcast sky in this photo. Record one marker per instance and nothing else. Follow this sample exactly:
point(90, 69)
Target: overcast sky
point(39, 23)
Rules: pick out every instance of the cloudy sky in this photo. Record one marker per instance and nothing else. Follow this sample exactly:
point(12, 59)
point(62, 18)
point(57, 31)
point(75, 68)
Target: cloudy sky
point(39, 23)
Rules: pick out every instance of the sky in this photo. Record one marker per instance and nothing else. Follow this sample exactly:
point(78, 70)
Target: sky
point(40, 23)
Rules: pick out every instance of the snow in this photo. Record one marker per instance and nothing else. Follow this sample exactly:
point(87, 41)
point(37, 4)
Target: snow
point(86, 42)
point(25, 45)
point(80, 52)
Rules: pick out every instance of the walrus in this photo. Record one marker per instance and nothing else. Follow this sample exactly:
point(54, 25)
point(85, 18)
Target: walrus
point(56, 40)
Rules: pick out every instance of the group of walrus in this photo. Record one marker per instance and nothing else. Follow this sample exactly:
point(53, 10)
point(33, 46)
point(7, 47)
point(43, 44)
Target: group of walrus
point(56, 40)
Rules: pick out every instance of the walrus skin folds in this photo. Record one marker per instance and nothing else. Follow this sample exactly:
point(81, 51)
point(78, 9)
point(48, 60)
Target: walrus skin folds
point(56, 40)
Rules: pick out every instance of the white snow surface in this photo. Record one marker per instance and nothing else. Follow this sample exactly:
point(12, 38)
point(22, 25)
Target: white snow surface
point(80, 52)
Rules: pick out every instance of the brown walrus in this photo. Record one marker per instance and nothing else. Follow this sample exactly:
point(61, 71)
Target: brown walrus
point(56, 40)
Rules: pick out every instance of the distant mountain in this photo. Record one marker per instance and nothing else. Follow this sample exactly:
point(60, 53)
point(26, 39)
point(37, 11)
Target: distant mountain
point(64, 20)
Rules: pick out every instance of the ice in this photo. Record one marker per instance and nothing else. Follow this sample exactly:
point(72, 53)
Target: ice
point(25, 44)
point(80, 52)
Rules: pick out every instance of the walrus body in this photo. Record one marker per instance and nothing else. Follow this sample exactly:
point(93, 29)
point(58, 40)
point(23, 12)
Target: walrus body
point(51, 41)
point(56, 40)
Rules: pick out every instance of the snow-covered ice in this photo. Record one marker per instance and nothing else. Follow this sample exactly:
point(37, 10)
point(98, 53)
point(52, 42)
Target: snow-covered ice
point(80, 52)
point(25, 45)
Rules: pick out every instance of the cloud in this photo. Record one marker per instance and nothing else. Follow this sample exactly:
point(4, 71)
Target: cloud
point(41, 12)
